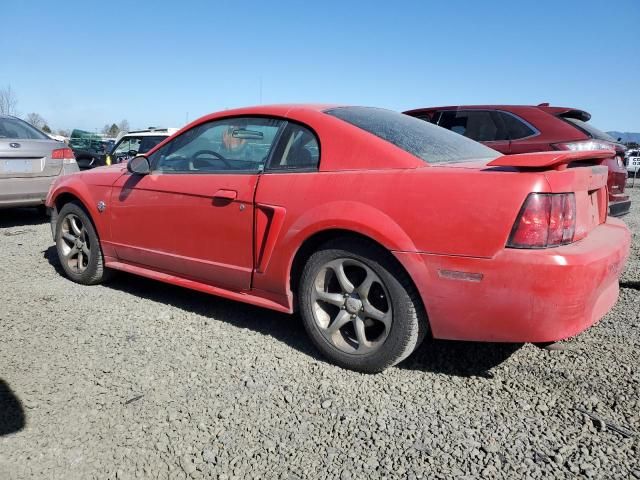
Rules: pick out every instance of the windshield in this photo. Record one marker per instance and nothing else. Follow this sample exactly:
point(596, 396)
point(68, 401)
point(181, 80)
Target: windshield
point(17, 129)
point(426, 141)
point(592, 131)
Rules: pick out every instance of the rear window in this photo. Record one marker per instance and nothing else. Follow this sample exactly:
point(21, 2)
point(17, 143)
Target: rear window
point(17, 129)
point(424, 140)
point(590, 130)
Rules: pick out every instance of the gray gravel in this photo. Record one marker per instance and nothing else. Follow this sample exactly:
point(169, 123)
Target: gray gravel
point(138, 379)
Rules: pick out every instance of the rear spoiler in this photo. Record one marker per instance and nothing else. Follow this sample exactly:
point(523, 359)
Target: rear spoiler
point(550, 160)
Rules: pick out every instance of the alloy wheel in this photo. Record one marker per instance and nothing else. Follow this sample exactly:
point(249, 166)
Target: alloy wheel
point(351, 306)
point(74, 244)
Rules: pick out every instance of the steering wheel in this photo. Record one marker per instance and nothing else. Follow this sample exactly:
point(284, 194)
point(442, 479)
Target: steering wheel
point(211, 152)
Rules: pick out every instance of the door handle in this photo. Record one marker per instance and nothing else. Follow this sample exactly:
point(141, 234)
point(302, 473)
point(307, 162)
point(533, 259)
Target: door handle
point(223, 194)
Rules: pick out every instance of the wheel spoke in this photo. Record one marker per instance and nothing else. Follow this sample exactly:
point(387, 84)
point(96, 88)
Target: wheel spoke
point(333, 298)
point(73, 252)
point(85, 249)
point(340, 321)
point(69, 238)
point(344, 282)
point(80, 257)
point(365, 286)
point(375, 314)
point(363, 344)
point(74, 226)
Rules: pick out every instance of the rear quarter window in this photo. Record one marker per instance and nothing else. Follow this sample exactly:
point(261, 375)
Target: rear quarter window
point(424, 140)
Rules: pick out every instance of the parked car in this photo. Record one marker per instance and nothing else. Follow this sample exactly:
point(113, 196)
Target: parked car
point(29, 162)
point(514, 129)
point(130, 144)
point(375, 226)
point(88, 148)
point(633, 162)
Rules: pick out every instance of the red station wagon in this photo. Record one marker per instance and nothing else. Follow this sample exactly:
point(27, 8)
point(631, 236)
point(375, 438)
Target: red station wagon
point(514, 129)
point(377, 227)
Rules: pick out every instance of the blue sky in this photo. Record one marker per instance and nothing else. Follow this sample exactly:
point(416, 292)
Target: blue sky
point(83, 64)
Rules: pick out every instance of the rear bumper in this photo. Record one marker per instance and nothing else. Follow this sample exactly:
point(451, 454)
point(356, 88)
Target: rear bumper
point(523, 295)
point(619, 205)
point(19, 192)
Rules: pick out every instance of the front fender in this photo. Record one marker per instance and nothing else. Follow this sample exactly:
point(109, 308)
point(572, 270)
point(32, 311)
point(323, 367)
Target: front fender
point(87, 195)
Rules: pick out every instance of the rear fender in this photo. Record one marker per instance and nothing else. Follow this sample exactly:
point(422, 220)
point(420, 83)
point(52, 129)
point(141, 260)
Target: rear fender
point(348, 216)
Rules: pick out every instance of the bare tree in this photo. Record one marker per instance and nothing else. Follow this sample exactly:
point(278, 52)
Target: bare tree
point(36, 120)
point(106, 129)
point(64, 133)
point(123, 126)
point(8, 101)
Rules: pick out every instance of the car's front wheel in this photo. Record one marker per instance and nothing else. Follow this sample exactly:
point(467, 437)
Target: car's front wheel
point(78, 246)
point(359, 306)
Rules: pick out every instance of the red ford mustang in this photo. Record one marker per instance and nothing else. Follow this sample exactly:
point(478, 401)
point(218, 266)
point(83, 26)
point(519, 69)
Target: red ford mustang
point(376, 226)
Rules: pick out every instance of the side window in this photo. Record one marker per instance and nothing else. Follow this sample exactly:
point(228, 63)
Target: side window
point(134, 145)
point(516, 128)
point(479, 125)
point(297, 149)
point(148, 142)
point(122, 148)
point(128, 148)
point(240, 144)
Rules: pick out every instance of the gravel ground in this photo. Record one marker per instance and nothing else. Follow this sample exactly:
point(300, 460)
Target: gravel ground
point(140, 379)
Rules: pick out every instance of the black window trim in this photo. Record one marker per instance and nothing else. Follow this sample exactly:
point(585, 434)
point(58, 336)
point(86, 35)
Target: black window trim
point(270, 170)
point(154, 170)
point(535, 133)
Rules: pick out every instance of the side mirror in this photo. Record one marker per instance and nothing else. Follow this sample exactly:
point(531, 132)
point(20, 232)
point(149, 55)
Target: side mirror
point(139, 165)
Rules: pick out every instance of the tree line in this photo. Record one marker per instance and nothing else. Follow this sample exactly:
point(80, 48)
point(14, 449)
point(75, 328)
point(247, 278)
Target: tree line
point(9, 104)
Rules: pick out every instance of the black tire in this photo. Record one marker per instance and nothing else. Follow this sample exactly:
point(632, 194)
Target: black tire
point(94, 272)
point(409, 324)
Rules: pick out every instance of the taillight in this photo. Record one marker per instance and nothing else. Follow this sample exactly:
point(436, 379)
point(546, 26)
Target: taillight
point(584, 145)
point(64, 154)
point(545, 220)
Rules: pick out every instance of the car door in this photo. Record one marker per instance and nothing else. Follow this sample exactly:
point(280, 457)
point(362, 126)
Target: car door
point(193, 214)
point(480, 125)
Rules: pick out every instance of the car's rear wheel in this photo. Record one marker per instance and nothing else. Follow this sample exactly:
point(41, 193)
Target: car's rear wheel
point(78, 246)
point(359, 306)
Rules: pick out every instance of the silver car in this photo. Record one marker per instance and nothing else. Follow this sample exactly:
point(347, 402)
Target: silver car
point(29, 162)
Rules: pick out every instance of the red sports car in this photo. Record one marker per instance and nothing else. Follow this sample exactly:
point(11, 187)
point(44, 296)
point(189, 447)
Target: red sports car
point(378, 227)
